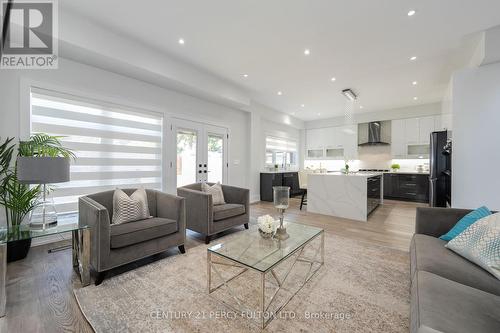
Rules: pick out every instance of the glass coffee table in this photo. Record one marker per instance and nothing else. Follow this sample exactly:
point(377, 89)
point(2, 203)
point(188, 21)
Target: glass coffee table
point(68, 223)
point(249, 251)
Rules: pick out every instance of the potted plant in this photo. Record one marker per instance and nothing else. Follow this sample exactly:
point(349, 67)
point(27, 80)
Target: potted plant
point(395, 167)
point(346, 165)
point(19, 199)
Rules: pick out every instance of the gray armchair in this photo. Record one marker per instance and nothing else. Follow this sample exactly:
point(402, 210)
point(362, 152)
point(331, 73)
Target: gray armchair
point(203, 217)
point(113, 245)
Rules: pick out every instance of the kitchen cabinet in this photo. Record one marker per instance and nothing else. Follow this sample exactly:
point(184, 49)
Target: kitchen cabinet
point(409, 187)
point(410, 137)
point(270, 179)
point(332, 143)
point(426, 126)
point(412, 130)
point(398, 139)
point(315, 153)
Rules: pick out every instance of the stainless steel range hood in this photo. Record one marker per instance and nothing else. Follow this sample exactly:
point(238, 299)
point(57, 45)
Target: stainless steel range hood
point(373, 137)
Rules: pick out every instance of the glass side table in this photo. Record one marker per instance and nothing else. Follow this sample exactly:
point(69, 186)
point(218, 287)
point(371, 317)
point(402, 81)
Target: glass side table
point(67, 223)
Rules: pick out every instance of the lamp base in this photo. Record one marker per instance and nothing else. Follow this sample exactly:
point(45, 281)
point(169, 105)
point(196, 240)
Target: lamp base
point(41, 225)
point(281, 233)
point(44, 216)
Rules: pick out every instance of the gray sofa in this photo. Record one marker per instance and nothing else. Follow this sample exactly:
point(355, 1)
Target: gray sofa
point(203, 217)
point(116, 245)
point(448, 292)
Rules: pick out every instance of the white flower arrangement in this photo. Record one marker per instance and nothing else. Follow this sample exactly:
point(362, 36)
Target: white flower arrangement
point(266, 224)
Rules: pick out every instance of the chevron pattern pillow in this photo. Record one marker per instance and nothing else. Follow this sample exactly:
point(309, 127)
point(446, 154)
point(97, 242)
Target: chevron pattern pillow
point(216, 192)
point(480, 243)
point(130, 208)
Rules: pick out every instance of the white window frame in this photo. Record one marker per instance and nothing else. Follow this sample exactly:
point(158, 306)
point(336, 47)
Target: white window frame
point(285, 151)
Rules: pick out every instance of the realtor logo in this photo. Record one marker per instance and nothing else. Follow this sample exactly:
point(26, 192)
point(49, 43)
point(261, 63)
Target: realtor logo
point(29, 34)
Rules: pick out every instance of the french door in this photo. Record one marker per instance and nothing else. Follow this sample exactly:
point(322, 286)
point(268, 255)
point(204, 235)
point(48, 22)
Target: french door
point(201, 152)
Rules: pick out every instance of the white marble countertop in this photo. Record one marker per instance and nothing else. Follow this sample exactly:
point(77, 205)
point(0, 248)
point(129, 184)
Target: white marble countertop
point(279, 171)
point(409, 172)
point(352, 174)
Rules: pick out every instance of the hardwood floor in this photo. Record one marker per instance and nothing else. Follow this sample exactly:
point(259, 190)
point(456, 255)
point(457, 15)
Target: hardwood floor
point(40, 288)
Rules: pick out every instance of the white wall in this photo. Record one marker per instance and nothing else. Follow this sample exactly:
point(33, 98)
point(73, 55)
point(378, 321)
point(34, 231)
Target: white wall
point(103, 84)
point(265, 121)
point(476, 137)
point(113, 87)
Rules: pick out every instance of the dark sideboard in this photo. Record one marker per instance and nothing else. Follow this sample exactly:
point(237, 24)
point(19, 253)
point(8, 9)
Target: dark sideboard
point(285, 178)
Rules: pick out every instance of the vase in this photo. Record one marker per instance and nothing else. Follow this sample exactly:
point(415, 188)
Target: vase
point(281, 202)
point(17, 250)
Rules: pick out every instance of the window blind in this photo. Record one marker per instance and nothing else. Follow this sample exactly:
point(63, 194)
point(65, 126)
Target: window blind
point(280, 144)
point(114, 146)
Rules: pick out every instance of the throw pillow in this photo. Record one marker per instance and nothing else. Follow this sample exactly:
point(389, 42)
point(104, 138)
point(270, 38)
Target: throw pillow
point(130, 208)
point(216, 192)
point(480, 243)
point(465, 222)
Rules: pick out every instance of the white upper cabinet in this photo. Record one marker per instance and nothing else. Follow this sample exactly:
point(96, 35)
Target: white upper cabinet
point(412, 130)
point(398, 138)
point(426, 127)
point(336, 142)
point(410, 137)
point(349, 136)
point(314, 137)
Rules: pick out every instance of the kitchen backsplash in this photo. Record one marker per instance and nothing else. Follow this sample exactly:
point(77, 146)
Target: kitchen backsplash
point(372, 157)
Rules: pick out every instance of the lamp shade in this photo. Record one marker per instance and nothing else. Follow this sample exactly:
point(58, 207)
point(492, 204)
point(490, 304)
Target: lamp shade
point(42, 170)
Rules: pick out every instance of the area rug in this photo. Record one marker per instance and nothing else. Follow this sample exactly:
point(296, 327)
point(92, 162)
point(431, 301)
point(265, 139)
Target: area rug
point(360, 288)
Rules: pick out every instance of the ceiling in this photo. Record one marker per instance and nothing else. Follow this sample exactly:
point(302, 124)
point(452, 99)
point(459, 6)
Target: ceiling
point(366, 45)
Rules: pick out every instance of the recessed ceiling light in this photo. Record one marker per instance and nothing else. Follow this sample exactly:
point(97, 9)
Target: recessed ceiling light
point(280, 93)
point(181, 41)
point(412, 12)
point(245, 75)
point(361, 106)
point(307, 52)
point(319, 114)
point(414, 83)
point(333, 79)
point(302, 105)
point(415, 98)
point(413, 58)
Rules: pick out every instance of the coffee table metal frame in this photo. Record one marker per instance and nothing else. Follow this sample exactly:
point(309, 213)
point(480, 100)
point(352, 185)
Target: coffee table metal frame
point(265, 317)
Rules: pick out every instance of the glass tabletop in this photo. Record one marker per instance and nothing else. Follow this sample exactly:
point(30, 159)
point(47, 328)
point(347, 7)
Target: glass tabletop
point(65, 223)
point(252, 250)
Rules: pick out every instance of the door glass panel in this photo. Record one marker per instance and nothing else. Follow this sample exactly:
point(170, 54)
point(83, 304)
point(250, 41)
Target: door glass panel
point(215, 158)
point(186, 157)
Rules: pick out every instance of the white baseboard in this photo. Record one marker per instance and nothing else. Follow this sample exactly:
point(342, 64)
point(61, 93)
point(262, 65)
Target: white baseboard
point(50, 239)
point(254, 198)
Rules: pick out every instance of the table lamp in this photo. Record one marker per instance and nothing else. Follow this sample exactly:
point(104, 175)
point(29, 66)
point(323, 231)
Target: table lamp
point(43, 170)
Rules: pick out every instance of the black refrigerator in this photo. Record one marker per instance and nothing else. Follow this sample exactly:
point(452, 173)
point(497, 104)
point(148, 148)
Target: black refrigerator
point(440, 170)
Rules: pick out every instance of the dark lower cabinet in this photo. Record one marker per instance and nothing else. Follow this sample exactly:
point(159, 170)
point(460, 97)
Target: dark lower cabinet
point(410, 187)
point(268, 180)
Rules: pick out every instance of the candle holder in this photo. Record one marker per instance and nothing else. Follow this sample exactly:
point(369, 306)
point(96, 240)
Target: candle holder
point(281, 202)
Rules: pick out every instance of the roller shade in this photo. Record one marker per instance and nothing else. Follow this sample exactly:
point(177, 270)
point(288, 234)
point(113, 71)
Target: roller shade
point(280, 144)
point(114, 146)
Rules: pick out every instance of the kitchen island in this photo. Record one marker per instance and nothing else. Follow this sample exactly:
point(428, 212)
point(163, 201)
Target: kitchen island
point(353, 196)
